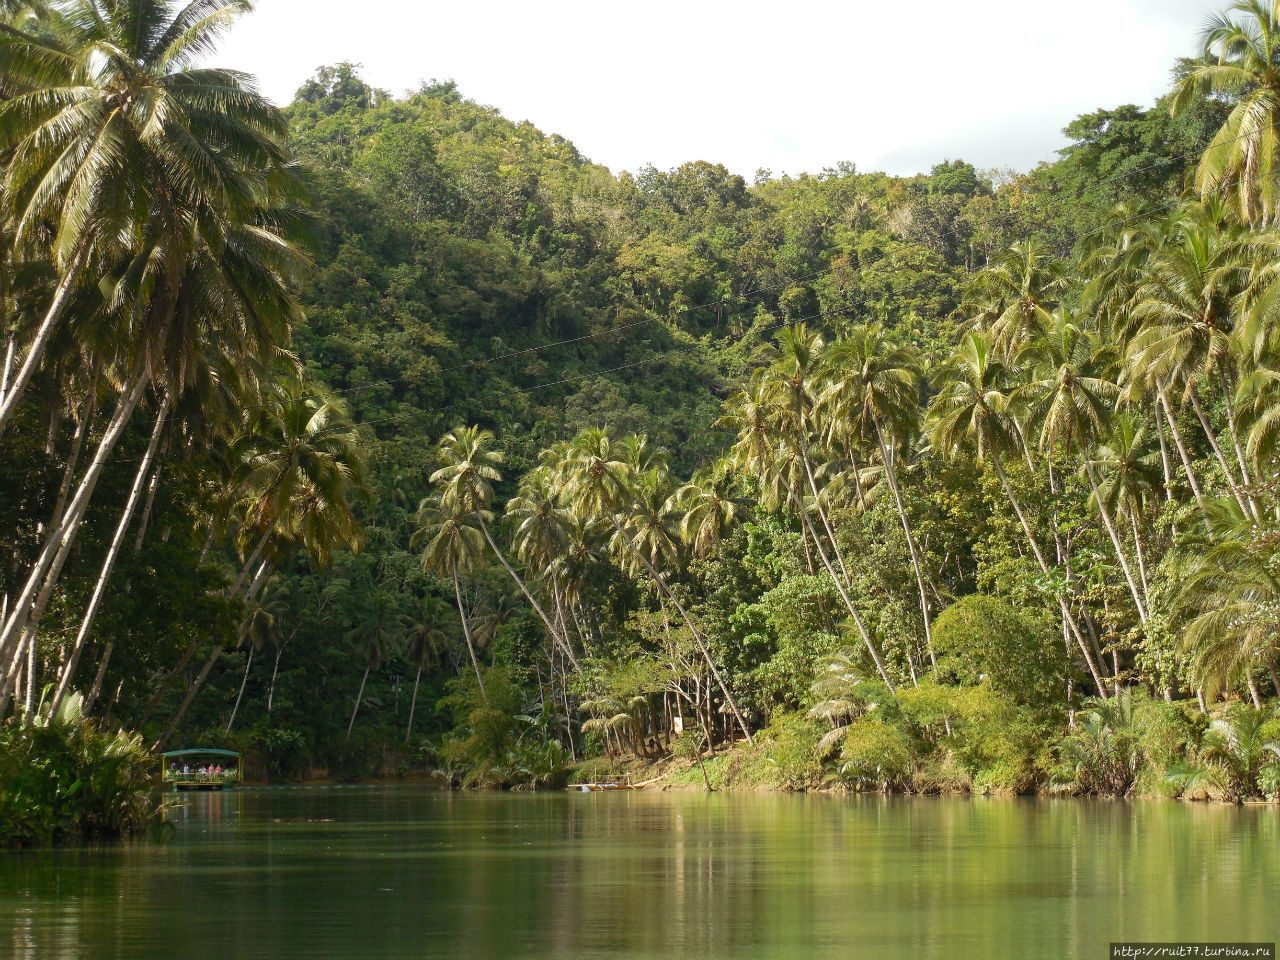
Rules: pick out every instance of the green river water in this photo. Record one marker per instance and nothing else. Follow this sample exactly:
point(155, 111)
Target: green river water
point(406, 871)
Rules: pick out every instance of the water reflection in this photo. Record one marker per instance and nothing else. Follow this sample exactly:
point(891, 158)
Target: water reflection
point(407, 872)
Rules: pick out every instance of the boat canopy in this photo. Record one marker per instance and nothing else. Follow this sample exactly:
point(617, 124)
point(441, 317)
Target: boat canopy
point(200, 751)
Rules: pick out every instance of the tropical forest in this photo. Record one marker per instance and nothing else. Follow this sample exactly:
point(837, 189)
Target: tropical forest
point(378, 436)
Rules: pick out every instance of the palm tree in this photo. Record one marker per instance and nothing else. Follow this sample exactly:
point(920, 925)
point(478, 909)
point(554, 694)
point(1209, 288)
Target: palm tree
point(1073, 403)
point(1128, 473)
point(600, 474)
point(1185, 310)
point(113, 127)
point(709, 507)
point(378, 637)
point(451, 545)
point(972, 413)
point(1231, 592)
point(260, 627)
point(467, 477)
point(1240, 60)
point(1015, 296)
point(873, 387)
point(424, 638)
point(793, 379)
point(1236, 747)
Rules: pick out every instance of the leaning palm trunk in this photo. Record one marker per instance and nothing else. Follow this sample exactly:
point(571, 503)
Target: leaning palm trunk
point(1068, 617)
point(556, 636)
point(35, 351)
point(359, 696)
point(92, 696)
point(1182, 447)
point(57, 546)
point(466, 632)
point(108, 564)
point(1142, 561)
point(1220, 456)
point(8, 369)
point(214, 655)
point(891, 475)
point(822, 513)
point(1109, 523)
point(844, 596)
point(413, 704)
point(244, 682)
point(697, 634)
point(164, 683)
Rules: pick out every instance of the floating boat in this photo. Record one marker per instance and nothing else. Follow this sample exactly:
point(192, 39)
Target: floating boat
point(201, 768)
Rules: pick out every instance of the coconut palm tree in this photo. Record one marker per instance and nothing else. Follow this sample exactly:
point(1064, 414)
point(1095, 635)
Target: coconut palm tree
point(709, 507)
point(466, 485)
point(1185, 311)
point(873, 388)
point(452, 545)
point(600, 474)
point(114, 129)
point(972, 414)
point(1129, 473)
point(259, 628)
point(378, 637)
point(1072, 402)
point(1014, 296)
point(1231, 592)
point(425, 636)
point(1240, 60)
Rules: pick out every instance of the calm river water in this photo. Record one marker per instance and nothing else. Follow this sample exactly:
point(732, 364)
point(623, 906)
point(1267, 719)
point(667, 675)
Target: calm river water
point(404, 871)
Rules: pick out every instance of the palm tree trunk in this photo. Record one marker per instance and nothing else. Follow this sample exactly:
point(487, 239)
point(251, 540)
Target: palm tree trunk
point(164, 684)
point(359, 696)
point(96, 689)
point(1142, 563)
point(822, 513)
point(108, 563)
point(1182, 447)
point(891, 474)
point(147, 507)
point(244, 682)
point(253, 558)
point(466, 631)
point(1067, 616)
point(83, 427)
point(697, 634)
point(1115, 538)
point(1166, 467)
point(1217, 451)
point(275, 670)
point(413, 705)
point(214, 654)
point(555, 635)
point(61, 297)
point(8, 368)
point(1254, 695)
point(44, 573)
point(848, 603)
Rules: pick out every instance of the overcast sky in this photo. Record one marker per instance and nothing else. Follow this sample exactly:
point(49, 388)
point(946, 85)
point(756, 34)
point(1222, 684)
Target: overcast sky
point(791, 86)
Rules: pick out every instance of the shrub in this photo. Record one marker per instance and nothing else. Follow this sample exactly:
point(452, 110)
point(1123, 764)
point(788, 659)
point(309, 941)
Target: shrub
point(875, 755)
point(61, 777)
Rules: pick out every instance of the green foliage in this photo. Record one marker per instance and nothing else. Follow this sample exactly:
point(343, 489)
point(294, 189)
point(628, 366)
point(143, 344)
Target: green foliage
point(985, 639)
point(61, 777)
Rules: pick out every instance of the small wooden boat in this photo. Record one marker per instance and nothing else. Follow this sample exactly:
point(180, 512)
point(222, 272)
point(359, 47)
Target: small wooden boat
point(201, 768)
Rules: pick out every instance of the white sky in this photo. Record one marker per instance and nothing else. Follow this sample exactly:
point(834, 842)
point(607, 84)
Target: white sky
point(793, 86)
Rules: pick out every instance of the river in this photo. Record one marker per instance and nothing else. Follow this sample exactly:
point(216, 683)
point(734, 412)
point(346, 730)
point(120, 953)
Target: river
point(405, 871)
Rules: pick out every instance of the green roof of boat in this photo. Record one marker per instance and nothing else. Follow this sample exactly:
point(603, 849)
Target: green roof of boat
point(203, 751)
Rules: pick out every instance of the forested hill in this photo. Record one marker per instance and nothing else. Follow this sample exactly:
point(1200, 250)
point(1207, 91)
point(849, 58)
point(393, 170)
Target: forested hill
point(472, 270)
point(452, 241)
